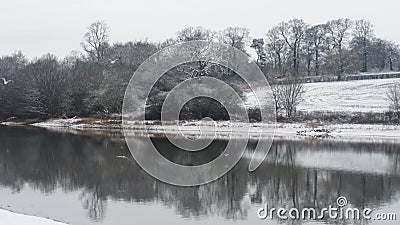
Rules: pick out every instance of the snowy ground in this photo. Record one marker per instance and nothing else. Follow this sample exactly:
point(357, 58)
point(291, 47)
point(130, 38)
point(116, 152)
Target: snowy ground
point(77, 123)
point(11, 218)
point(227, 130)
point(348, 132)
point(343, 96)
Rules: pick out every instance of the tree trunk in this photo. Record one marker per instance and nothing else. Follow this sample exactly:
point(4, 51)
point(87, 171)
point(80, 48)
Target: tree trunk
point(295, 71)
point(309, 59)
point(341, 66)
point(297, 62)
point(316, 62)
point(279, 64)
point(365, 57)
point(390, 63)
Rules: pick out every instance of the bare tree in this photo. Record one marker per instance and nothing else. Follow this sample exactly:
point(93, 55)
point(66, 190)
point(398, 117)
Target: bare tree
point(235, 36)
point(288, 96)
point(47, 84)
point(258, 46)
point(13, 97)
point(195, 34)
point(338, 33)
point(393, 96)
point(276, 48)
point(393, 53)
point(277, 94)
point(317, 37)
point(202, 54)
point(309, 52)
point(82, 82)
point(378, 54)
point(96, 40)
point(131, 54)
point(363, 32)
point(293, 34)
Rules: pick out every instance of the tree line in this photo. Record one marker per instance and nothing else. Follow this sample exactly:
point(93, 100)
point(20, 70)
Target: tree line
point(92, 82)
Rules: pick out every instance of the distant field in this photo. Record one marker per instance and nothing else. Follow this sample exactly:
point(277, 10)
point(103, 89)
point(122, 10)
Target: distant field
point(344, 96)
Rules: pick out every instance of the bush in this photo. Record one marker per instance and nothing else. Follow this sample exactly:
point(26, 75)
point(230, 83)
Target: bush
point(393, 96)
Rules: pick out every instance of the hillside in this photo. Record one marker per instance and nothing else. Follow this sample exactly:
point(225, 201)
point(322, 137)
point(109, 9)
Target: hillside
point(343, 96)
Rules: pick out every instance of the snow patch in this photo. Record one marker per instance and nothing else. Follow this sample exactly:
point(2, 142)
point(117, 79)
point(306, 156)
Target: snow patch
point(11, 218)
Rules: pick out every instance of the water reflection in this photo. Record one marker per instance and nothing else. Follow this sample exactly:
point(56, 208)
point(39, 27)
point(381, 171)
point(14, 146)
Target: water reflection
point(297, 173)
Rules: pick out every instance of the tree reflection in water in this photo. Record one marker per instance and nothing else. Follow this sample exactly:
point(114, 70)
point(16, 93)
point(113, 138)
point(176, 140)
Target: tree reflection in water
point(48, 161)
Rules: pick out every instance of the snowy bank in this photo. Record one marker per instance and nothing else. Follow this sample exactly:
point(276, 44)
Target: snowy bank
point(78, 123)
point(11, 218)
point(226, 129)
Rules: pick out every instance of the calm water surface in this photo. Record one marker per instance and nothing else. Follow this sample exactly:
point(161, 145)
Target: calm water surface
point(78, 179)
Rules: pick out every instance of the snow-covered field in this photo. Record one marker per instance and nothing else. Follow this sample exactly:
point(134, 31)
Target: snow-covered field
point(11, 218)
point(343, 96)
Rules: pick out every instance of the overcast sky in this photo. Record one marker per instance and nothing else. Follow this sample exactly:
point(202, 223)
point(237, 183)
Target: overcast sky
point(39, 26)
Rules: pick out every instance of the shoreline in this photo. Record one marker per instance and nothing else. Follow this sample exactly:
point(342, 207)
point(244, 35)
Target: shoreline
point(225, 129)
point(283, 131)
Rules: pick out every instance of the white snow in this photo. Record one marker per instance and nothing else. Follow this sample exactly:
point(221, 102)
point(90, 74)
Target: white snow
point(227, 130)
point(77, 123)
point(11, 218)
point(348, 96)
point(348, 132)
point(59, 122)
point(343, 96)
